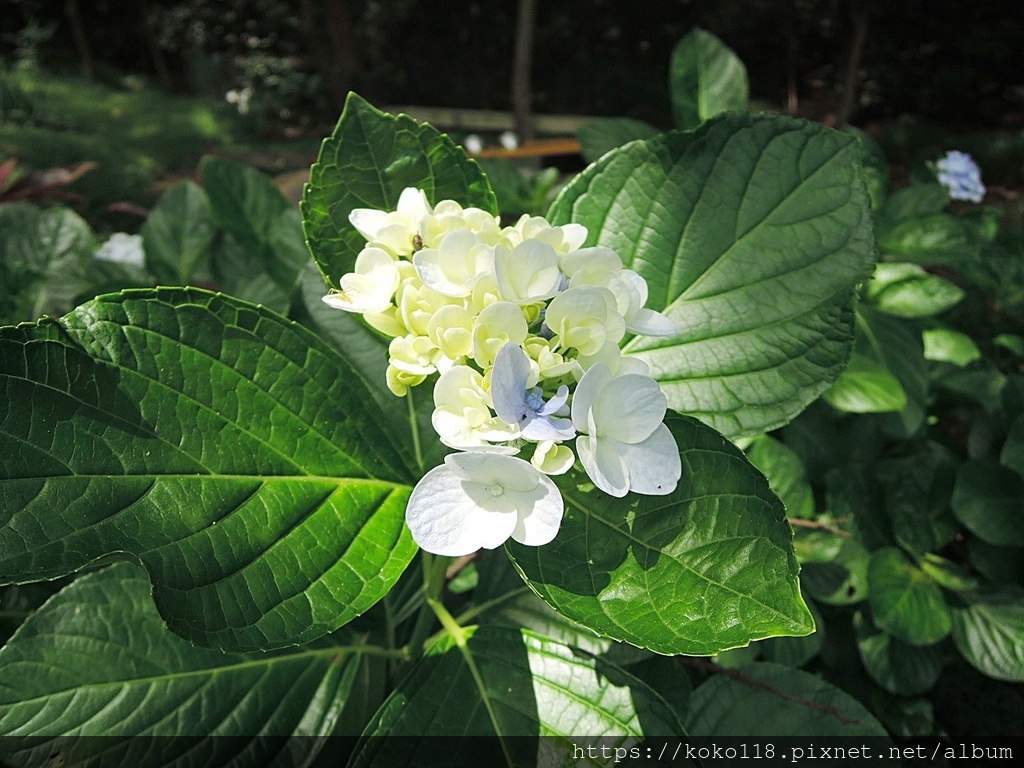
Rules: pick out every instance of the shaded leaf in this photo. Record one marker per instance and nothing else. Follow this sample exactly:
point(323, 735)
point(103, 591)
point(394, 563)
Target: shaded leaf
point(772, 700)
point(866, 386)
point(988, 629)
point(906, 290)
point(510, 683)
point(705, 78)
point(97, 660)
point(894, 665)
point(597, 137)
point(905, 602)
point(178, 234)
point(989, 500)
point(785, 473)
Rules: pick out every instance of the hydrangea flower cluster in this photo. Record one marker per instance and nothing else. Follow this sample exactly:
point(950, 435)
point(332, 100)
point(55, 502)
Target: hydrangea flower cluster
point(960, 174)
point(523, 326)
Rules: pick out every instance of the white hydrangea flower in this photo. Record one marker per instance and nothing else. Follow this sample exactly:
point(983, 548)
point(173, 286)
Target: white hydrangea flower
point(517, 404)
point(462, 416)
point(585, 318)
point(612, 356)
point(527, 273)
point(122, 248)
point(564, 238)
point(451, 330)
point(456, 264)
point(371, 287)
point(394, 230)
point(551, 458)
point(497, 325)
point(480, 500)
point(624, 444)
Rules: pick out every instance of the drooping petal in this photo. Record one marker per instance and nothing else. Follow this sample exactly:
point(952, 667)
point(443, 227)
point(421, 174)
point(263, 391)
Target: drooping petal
point(447, 520)
point(603, 465)
point(653, 465)
point(647, 322)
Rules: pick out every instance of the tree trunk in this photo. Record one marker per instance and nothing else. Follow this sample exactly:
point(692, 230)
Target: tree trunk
point(156, 55)
point(74, 16)
point(345, 61)
point(851, 78)
point(522, 88)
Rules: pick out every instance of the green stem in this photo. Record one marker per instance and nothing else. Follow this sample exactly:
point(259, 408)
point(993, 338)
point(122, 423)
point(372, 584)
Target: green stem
point(414, 426)
point(434, 568)
point(466, 616)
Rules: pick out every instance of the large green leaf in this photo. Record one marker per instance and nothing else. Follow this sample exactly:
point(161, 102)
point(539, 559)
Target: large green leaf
point(707, 568)
point(366, 163)
point(705, 78)
point(989, 500)
point(751, 233)
point(772, 700)
point(517, 686)
point(988, 629)
point(597, 137)
point(905, 601)
point(230, 450)
point(97, 660)
point(917, 490)
point(178, 233)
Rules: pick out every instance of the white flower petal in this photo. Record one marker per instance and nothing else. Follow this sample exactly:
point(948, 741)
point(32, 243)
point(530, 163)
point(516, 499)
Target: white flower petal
point(508, 384)
point(629, 408)
point(587, 392)
point(654, 465)
point(647, 322)
point(603, 465)
point(540, 513)
point(447, 520)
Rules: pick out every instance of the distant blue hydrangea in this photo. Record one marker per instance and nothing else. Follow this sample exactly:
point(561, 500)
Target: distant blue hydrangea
point(961, 175)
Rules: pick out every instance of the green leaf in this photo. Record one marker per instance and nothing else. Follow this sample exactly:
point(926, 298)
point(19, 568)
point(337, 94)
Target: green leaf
point(785, 473)
point(1012, 454)
point(250, 208)
point(97, 660)
point(775, 701)
point(988, 629)
point(509, 683)
point(983, 386)
point(906, 290)
point(232, 452)
point(894, 665)
point(910, 203)
point(751, 233)
point(795, 651)
point(876, 166)
point(1000, 565)
point(917, 490)
point(705, 78)
point(1012, 342)
point(178, 233)
point(706, 568)
point(597, 137)
point(841, 579)
point(936, 238)
point(866, 386)
point(989, 500)
point(947, 574)
point(366, 163)
point(367, 352)
point(897, 344)
point(944, 345)
point(905, 601)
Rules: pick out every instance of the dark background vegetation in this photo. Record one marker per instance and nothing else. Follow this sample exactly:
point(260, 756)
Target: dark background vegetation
point(946, 60)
